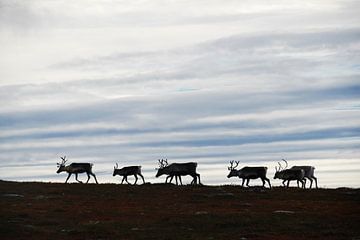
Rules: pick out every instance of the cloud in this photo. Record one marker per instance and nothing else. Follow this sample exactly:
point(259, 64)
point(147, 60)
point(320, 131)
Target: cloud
point(133, 82)
point(274, 60)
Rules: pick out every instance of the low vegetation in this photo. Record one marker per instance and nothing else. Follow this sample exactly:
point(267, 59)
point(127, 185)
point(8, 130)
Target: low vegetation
point(165, 211)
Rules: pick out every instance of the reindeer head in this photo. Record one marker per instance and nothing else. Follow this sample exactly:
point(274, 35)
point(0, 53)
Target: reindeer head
point(233, 172)
point(163, 163)
point(61, 166)
point(278, 171)
point(115, 168)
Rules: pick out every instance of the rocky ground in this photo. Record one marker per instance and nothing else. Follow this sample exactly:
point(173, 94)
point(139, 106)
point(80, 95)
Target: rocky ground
point(159, 211)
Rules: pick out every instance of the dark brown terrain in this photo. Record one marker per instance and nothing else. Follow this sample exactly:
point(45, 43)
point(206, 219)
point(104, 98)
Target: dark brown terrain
point(109, 211)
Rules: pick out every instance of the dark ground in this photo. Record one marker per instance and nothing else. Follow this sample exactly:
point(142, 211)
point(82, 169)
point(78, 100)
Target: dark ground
point(109, 211)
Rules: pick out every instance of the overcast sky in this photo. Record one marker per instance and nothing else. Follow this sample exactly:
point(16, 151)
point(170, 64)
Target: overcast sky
point(206, 81)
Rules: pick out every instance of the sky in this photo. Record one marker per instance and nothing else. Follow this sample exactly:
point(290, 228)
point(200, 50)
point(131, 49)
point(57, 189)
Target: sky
point(131, 82)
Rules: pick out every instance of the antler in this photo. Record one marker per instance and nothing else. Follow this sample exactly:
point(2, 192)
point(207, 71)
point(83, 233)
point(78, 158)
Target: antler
point(232, 163)
point(286, 163)
point(163, 163)
point(237, 163)
point(63, 161)
point(116, 166)
point(280, 167)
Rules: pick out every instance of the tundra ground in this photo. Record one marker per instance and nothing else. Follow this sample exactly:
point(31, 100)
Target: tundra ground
point(111, 211)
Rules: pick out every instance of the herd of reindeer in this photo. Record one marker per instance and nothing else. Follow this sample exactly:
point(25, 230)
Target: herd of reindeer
point(295, 173)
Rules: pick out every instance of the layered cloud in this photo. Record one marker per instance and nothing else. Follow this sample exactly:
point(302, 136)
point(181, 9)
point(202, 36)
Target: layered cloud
point(101, 91)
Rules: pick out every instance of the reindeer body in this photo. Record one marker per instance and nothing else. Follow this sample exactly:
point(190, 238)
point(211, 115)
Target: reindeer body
point(247, 173)
point(298, 173)
point(128, 171)
point(290, 175)
point(76, 168)
point(309, 174)
point(178, 170)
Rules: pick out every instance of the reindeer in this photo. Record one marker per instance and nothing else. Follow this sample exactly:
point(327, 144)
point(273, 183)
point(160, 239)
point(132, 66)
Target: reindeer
point(76, 168)
point(290, 175)
point(247, 173)
point(163, 163)
point(309, 174)
point(128, 171)
point(178, 170)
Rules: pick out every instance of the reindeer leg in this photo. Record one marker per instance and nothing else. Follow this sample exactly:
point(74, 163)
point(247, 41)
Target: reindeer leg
point(288, 184)
point(126, 180)
point(316, 184)
point(88, 174)
point(263, 181)
point(193, 181)
point(247, 182)
point(136, 178)
point(92, 174)
point(283, 182)
point(304, 180)
point(176, 180)
point(76, 177)
point(243, 180)
point(180, 180)
point(171, 178)
point(142, 177)
point(198, 176)
point(268, 181)
point(68, 177)
point(311, 181)
point(122, 179)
